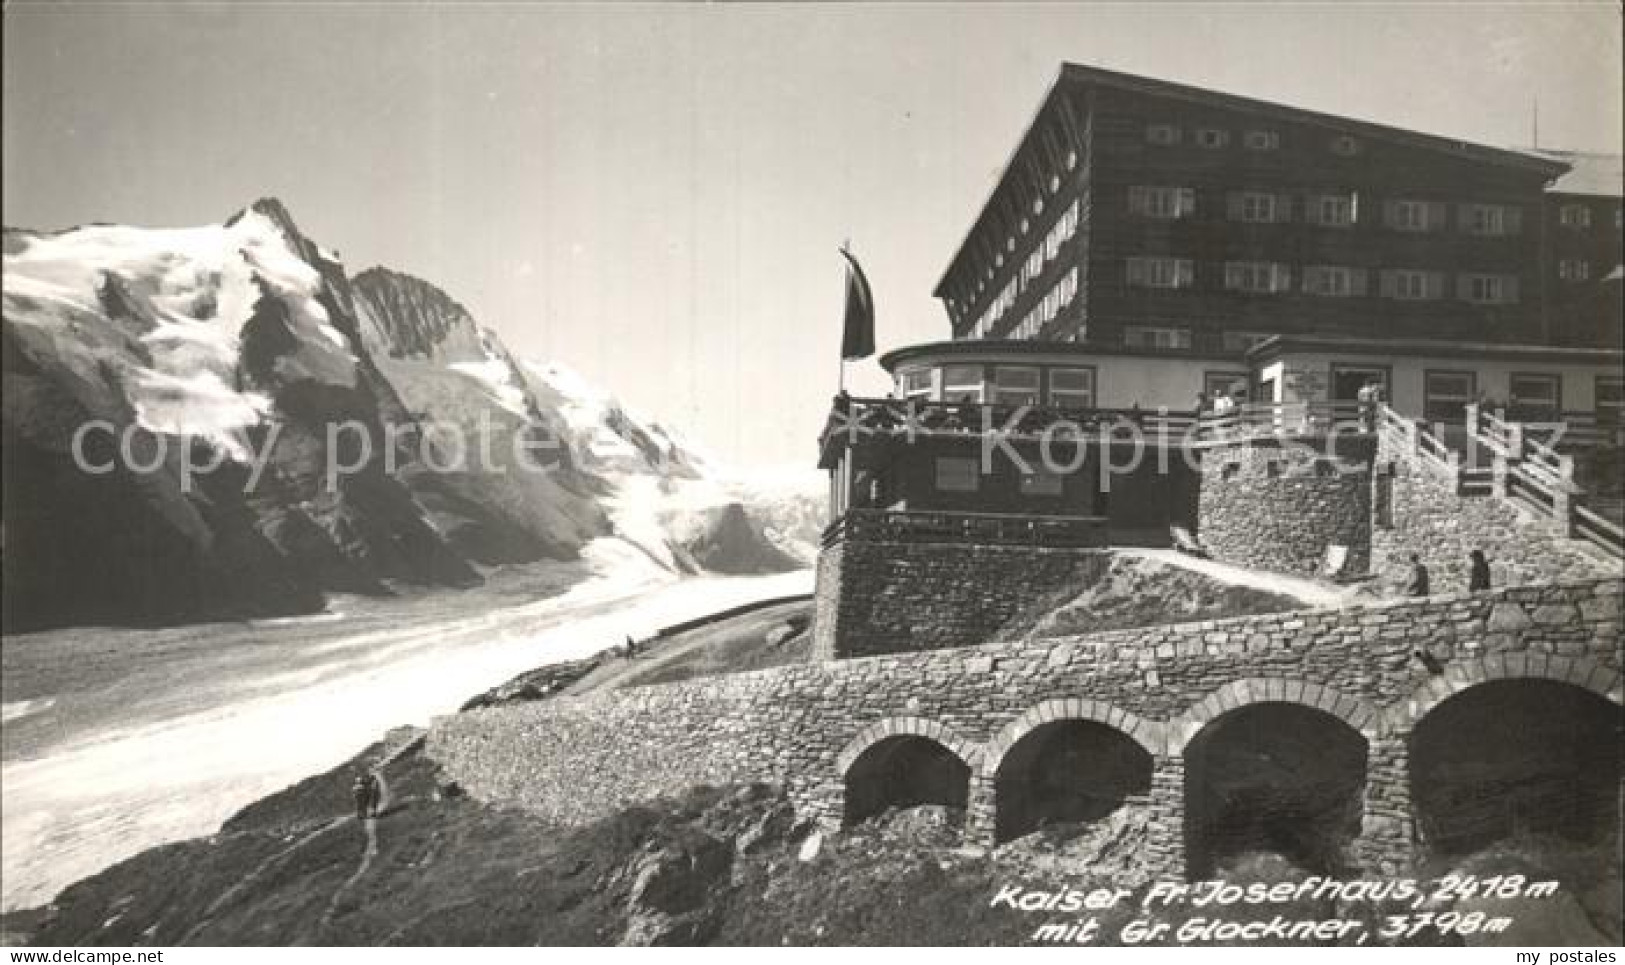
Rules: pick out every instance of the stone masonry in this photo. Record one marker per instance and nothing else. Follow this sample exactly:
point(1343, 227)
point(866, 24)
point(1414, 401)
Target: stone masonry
point(1429, 518)
point(574, 759)
point(875, 597)
point(1277, 503)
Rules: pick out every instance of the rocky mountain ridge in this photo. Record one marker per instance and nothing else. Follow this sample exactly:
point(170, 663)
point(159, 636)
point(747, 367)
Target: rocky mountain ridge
point(215, 379)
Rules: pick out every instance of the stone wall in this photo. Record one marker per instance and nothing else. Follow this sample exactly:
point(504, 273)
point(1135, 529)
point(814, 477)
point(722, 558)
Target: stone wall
point(574, 759)
point(885, 597)
point(1276, 504)
point(1429, 518)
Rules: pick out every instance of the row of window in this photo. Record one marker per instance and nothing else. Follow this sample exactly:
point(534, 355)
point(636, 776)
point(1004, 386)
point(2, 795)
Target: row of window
point(1058, 297)
point(1577, 215)
point(1065, 227)
point(1336, 281)
point(1328, 208)
point(1259, 139)
point(1068, 388)
point(1532, 396)
point(970, 291)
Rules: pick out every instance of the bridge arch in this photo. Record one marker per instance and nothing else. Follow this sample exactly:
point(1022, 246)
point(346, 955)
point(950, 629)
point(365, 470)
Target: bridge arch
point(1460, 675)
point(903, 762)
point(1071, 760)
point(1502, 748)
point(1147, 733)
point(1357, 712)
point(1274, 766)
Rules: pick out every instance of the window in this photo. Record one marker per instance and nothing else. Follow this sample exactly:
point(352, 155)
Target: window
point(1609, 401)
point(1161, 272)
point(956, 474)
point(1164, 134)
point(1032, 267)
point(1575, 216)
point(1054, 183)
point(1041, 483)
point(1492, 220)
point(1331, 210)
point(1140, 336)
point(1574, 269)
point(1345, 146)
point(1072, 388)
point(1409, 284)
point(1261, 140)
point(1446, 394)
point(1405, 215)
point(916, 383)
point(1334, 281)
point(1258, 207)
point(1487, 289)
point(1257, 276)
point(1014, 385)
point(1534, 398)
point(1212, 138)
point(1162, 202)
point(962, 383)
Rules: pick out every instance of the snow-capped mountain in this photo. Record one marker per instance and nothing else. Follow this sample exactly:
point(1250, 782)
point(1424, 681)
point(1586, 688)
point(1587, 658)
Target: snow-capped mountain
point(214, 378)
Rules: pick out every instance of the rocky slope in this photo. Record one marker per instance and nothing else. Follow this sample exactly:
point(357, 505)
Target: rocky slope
point(212, 378)
point(717, 866)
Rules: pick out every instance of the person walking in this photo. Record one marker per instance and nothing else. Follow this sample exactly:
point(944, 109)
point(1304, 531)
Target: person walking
point(361, 791)
point(1418, 586)
point(1478, 572)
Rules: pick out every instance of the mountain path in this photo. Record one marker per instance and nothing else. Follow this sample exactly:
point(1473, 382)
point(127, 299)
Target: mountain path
point(1313, 592)
point(260, 870)
point(369, 827)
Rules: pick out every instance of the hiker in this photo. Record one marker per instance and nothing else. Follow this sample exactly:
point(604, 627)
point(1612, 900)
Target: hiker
point(631, 647)
point(1478, 572)
point(361, 790)
point(1418, 586)
point(375, 794)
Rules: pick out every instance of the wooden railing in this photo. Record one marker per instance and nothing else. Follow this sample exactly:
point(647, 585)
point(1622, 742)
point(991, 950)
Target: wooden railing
point(987, 529)
point(1284, 418)
point(1414, 435)
point(1598, 530)
point(856, 418)
point(1533, 471)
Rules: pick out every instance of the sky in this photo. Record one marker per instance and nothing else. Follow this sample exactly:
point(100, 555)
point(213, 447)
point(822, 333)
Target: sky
point(655, 195)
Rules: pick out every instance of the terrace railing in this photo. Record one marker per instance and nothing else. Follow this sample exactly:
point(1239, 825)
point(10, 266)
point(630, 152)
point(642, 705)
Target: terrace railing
point(862, 416)
point(1284, 418)
point(981, 529)
point(1532, 471)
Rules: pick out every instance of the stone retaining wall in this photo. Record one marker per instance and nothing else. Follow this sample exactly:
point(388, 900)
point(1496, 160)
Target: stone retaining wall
point(1277, 504)
point(889, 597)
point(574, 759)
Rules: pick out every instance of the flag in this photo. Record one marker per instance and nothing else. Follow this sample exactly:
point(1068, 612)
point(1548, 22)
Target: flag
point(858, 334)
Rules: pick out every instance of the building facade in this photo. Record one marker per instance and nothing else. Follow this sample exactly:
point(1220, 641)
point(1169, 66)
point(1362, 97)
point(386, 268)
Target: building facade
point(1144, 214)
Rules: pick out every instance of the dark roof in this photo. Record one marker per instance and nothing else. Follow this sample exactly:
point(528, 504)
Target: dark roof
point(1080, 75)
point(1035, 349)
point(1278, 344)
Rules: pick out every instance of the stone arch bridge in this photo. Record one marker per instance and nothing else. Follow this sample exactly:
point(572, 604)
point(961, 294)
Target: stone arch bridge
point(1353, 738)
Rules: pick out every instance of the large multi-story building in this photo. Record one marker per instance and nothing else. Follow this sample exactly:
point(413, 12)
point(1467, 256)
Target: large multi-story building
point(1163, 232)
point(1153, 247)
